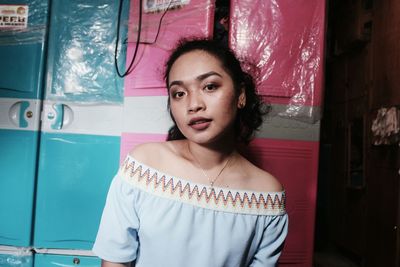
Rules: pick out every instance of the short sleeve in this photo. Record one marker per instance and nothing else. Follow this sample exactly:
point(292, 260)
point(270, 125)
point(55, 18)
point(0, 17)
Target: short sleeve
point(270, 247)
point(117, 239)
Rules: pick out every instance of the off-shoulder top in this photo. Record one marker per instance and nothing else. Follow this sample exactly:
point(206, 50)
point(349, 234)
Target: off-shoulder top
point(158, 220)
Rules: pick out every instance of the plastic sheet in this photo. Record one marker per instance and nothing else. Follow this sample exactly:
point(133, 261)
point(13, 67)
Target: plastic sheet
point(35, 30)
point(285, 39)
point(81, 65)
point(15, 257)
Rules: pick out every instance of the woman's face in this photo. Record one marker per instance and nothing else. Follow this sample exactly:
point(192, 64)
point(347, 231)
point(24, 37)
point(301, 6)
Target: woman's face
point(202, 97)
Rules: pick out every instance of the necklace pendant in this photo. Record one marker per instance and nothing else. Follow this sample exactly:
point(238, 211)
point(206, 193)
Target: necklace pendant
point(212, 184)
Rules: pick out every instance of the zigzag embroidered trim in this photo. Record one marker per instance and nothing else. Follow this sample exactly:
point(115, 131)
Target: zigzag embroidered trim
point(237, 201)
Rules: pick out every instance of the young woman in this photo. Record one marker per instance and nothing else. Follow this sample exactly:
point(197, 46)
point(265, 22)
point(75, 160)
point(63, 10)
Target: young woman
point(194, 200)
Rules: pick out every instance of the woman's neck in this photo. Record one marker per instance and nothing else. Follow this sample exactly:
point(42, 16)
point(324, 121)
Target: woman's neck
point(209, 156)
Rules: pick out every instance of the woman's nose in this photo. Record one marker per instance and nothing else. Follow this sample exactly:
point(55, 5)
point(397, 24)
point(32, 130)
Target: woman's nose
point(196, 103)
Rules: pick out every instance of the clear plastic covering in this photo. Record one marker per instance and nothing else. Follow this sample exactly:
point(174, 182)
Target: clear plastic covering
point(285, 39)
point(15, 257)
point(81, 53)
point(23, 22)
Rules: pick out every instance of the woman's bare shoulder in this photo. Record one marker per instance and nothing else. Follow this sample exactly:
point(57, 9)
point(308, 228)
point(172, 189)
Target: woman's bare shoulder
point(148, 153)
point(267, 182)
point(261, 180)
point(154, 153)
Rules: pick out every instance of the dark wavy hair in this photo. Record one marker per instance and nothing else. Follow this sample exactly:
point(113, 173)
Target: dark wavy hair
point(250, 117)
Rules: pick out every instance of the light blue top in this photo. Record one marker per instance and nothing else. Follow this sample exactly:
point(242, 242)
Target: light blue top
point(162, 221)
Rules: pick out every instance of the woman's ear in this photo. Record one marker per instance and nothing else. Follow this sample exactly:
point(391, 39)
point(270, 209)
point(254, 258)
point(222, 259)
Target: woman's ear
point(242, 99)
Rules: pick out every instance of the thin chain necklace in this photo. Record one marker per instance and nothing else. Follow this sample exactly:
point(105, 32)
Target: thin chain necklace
point(211, 181)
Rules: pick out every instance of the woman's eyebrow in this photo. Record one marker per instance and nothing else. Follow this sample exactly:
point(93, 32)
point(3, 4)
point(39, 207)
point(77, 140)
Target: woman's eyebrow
point(207, 74)
point(198, 78)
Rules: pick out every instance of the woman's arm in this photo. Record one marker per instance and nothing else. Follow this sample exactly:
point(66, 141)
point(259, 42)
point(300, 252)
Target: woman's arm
point(116, 240)
point(114, 264)
point(271, 245)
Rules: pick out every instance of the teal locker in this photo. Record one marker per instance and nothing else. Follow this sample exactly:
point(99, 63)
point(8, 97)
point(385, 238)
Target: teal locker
point(80, 131)
point(22, 53)
point(74, 174)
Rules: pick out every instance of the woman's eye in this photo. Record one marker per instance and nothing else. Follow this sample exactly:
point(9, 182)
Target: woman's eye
point(210, 87)
point(178, 94)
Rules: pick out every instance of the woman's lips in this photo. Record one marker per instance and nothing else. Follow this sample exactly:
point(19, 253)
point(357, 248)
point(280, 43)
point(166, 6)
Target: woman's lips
point(199, 123)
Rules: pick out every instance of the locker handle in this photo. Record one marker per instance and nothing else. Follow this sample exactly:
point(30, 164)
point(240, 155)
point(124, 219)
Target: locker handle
point(58, 117)
point(18, 114)
point(23, 123)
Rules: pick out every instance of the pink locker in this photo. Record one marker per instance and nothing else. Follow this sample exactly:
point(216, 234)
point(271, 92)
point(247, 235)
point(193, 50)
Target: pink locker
point(285, 40)
point(295, 163)
point(170, 20)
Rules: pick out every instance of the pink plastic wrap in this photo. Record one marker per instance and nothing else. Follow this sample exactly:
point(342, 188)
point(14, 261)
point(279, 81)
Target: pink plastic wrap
point(285, 39)
point(183, 18)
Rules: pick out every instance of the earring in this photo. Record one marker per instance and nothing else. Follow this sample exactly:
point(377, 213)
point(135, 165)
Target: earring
point(241, 105)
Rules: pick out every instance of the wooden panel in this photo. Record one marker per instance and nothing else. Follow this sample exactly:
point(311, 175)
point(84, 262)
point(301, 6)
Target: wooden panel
point(336, 80)
point(358, 77)
point(386, 157)
point(354, 214)
point(383, 206)
point(364, 219)
point(386, 54)
point(383, 202)
point(351, 23)
point(337, 194)
point(356, 108)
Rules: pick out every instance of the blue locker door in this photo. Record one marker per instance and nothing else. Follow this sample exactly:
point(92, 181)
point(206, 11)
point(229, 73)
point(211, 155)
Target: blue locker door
point(80, 134)
point(75, 171)
point(21, 69)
